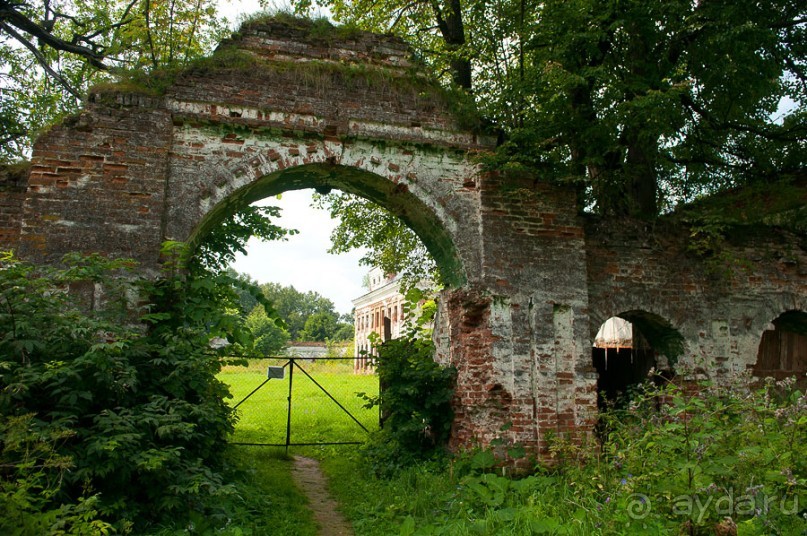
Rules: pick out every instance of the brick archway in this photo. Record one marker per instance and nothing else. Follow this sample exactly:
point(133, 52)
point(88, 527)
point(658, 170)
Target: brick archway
point(280, 107)
point(437, 227)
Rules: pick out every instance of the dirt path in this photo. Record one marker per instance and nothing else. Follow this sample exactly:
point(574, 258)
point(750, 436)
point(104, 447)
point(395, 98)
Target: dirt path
point(311, 481)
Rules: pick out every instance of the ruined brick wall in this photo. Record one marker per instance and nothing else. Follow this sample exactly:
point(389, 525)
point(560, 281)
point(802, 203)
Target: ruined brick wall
point(530, 280)
point(362, 86)
point(13, 185)
point(519, 345)
point(306, 112)
point(97, 183)
point(720, 303)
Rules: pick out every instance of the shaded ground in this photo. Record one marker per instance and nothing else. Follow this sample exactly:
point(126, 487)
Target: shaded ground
point(311, 481)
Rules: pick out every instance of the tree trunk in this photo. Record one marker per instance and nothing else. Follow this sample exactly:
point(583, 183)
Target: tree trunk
point(641, 181)
point(642, 149)
point(449, 20)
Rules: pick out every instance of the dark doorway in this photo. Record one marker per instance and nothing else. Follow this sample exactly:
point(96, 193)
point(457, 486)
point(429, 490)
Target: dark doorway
point(626, 348)
point(783, 349)
point(623, 358)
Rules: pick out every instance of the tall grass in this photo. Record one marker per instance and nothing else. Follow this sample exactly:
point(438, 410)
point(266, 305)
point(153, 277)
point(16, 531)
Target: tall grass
point(265, 500)
point(723, 460)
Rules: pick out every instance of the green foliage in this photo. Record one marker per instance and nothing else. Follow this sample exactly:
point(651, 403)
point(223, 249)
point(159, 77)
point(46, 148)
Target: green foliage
point(31, 472)
point(266, 500)
point(269, 338)
point(248, 291)
point(390, 244)
point(224, 61)
point(717, 223)
point(415, 400)
point(344, 332)
point(635, 102)
point(318, 327)
point(317, 29)
point(169, 33)
point(672, 463)
point(752, 205)
point(379, 505)
point(52, 51)
point(641, 105)
point(124, 417)
point(295, 308)
point(708, 240)
point(721, 443)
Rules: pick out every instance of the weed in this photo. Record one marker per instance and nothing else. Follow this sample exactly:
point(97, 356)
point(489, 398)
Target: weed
point(677, 461)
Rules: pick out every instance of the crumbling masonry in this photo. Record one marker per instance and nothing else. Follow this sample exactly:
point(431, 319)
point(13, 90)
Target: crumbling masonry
point(530, 280)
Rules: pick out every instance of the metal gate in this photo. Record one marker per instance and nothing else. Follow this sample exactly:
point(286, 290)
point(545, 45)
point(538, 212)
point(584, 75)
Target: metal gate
point(293, 401)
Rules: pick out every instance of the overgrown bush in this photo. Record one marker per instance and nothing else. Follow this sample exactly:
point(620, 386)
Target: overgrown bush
point(722, 460)
point(693, 458)
point(415, 400)
point(112, 414)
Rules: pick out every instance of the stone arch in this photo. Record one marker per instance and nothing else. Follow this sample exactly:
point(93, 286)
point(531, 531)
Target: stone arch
point(659, 332)
point(783, 347)
point(435, 230)
point(652, 342)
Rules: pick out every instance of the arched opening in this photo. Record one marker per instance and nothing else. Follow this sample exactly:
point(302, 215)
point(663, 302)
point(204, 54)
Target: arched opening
point(626, 348)
point(424, 215)
point(783, 348)
point(424, 220)
point(416, 214)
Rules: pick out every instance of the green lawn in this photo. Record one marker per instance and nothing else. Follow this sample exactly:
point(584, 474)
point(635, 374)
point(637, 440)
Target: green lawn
point(266, 500)
point(468, 495)
point(315, 418)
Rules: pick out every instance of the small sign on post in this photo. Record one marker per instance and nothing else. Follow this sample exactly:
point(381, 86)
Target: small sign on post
point(276, 373)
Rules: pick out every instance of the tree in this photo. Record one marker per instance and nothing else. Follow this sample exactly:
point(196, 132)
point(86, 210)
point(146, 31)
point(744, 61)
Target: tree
point(51, 51)
point(295, 308)
point(639, 103)
point(270, 339)
point(390, 244)
point(344, 332)
point(248, 291)
point(318, 327)
point(651, 102)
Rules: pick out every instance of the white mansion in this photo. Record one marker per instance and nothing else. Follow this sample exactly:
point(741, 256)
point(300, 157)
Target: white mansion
point(379, 311)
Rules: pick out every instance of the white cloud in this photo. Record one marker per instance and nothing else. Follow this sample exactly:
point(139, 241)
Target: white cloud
point(303, 261)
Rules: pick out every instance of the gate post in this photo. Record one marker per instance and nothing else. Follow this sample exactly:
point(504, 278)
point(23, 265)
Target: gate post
point(292, 364)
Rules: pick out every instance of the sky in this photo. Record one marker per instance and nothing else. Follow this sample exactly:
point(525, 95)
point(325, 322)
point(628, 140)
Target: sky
point(235, 9)
point(302, 261)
